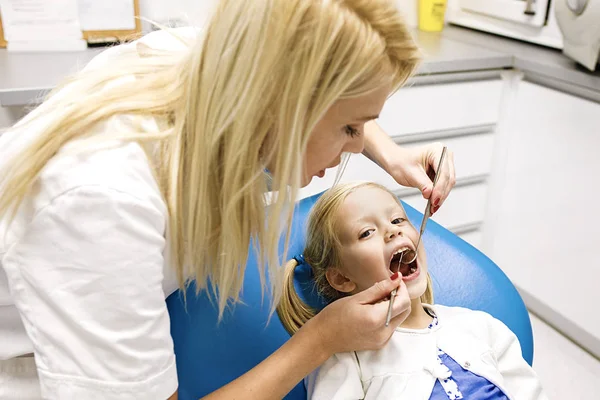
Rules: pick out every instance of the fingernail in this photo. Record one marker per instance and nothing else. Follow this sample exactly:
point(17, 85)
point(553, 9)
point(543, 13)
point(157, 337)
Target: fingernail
point(394, 276)
point(437, 202)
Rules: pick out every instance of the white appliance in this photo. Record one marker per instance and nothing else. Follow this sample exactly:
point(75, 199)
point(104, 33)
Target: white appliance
point(579, 21)
point(529, 20)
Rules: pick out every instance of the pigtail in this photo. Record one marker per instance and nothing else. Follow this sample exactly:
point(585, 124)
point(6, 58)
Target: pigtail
point(427, 296)
point(292, 310)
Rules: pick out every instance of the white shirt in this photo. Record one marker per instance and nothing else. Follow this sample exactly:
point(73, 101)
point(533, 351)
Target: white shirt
point(408, 367)
point(84, 269)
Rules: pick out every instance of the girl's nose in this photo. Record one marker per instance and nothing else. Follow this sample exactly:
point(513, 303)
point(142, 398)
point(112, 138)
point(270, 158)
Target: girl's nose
point(393, 232)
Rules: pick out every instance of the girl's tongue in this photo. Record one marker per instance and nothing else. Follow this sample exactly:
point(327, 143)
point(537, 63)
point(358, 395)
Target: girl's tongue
point(405, 269)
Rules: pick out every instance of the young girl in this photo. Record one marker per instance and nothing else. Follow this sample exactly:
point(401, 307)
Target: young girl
point(359, 234)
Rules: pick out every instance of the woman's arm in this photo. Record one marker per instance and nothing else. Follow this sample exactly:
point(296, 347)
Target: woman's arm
point(352, 323)
point(279, 373)
point(410, 166)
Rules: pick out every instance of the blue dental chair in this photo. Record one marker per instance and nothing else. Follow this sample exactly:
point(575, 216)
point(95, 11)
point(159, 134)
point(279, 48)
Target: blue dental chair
point(210, 355)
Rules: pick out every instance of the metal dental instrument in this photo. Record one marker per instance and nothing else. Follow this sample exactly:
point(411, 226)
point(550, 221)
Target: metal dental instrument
point(393, 295)
point(426, 216)
point(427, 213)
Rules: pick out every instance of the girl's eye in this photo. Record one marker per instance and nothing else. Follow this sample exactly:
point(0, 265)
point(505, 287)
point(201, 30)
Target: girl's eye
point(350, 131)
point(398, 221)
point(365, 233)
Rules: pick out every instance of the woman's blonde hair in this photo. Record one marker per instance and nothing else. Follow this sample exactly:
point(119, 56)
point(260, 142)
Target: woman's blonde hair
point(245, 95)
point(322, 251)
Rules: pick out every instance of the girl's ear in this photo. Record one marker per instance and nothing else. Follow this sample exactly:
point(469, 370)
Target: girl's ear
point(339, 281)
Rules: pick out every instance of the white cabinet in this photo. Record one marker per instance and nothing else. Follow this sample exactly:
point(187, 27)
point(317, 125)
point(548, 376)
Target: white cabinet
point(543, 220)
point(9, 116)
point(439, 107)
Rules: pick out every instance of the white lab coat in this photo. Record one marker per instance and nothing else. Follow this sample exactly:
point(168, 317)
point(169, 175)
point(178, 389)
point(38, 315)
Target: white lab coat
point(84, 270)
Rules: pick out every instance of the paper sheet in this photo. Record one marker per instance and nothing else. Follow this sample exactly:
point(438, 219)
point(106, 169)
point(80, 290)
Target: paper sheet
point(30, 20)
point(104, 15)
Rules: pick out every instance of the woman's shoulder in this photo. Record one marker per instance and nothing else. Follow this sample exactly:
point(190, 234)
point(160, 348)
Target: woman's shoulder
point(118, 174)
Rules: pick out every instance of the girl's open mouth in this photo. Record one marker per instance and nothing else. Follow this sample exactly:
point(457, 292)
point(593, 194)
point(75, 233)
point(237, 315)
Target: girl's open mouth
point(410, 270)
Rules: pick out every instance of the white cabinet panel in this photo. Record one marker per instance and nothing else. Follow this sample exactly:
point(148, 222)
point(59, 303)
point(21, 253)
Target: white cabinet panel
point(472, 157)
point(465, 205)
point(473, 238)
point(472, 154)
point(443, 106)
point(544, 219)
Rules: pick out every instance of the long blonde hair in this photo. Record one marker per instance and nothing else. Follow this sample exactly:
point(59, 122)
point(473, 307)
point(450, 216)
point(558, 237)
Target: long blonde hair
point(322, 251)
point(245, 94)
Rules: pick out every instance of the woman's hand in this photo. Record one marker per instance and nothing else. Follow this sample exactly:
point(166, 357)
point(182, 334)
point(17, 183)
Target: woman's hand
point(416, 167)
point(357, 322)
point(412, 167)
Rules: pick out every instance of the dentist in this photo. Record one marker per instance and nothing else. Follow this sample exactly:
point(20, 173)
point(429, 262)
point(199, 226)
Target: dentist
point(146, 169)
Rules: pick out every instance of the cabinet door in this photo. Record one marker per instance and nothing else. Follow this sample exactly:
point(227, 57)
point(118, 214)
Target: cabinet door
point(438, 107)
point(544, 219)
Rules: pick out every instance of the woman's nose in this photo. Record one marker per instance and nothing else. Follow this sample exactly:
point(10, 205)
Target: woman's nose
point(356, 144)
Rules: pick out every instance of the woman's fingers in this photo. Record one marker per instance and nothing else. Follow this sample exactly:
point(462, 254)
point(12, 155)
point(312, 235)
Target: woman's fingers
point(379, 291)
point(446, 180)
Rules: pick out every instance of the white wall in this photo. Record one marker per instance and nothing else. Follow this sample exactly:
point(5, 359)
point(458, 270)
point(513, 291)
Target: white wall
point(176, 12)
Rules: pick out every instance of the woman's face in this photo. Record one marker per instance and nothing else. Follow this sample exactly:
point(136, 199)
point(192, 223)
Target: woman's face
point(372, 228)
point(340, 130)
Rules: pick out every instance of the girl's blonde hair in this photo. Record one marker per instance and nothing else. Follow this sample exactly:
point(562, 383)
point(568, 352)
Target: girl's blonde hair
point(245, 95)
point(322, 251)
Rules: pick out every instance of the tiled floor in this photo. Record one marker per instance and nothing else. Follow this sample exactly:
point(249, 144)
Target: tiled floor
point(566, 371)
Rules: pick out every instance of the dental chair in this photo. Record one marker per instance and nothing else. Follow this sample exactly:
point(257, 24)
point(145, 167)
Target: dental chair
point(211, 354)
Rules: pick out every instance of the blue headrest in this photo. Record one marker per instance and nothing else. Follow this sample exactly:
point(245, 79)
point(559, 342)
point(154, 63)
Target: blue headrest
point(211, 354)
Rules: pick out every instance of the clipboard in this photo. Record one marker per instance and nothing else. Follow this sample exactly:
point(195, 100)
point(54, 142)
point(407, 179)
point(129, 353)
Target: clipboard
point(101, 37)
point(115, 36)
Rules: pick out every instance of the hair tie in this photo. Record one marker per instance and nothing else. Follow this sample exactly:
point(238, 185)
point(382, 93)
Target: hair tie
point(299, 259)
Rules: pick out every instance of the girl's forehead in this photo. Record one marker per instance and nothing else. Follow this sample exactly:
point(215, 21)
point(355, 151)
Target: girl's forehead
point(370, 200)
point(364, 204)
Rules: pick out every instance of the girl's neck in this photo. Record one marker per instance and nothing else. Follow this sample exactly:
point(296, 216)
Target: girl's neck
point(418, 317)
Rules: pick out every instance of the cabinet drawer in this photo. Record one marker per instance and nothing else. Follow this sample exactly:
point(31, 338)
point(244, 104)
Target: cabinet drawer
point(472, 158)
point(465, 205)
point(472, 153)
point(441, 106)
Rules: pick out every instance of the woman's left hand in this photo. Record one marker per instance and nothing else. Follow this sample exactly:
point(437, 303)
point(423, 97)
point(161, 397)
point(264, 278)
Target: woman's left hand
point(413, 167)
point(416, 167)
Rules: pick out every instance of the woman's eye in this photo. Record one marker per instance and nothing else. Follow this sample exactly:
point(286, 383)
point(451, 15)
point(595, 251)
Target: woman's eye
point(365, 234)
point(350, 131)
point(398, 221)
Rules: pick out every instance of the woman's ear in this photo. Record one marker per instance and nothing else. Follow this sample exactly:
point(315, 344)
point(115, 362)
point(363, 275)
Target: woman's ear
point(339, 281)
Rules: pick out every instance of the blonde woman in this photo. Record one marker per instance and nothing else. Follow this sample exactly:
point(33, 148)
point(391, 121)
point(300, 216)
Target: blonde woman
point(358, 234)
point(148, 169)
